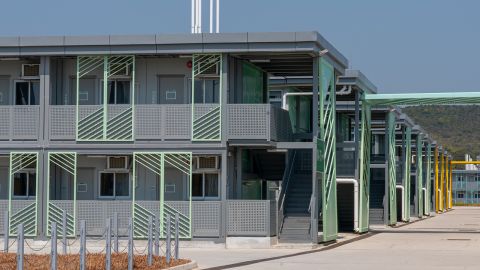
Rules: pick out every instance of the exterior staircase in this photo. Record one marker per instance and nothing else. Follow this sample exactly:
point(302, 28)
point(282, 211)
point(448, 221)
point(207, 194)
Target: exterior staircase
point(296, 222)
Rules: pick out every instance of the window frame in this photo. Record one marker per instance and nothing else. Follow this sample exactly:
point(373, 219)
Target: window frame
point(27, 196)
point(30, 83)
point(203, 197)
point(114, 197)
point(115, 81)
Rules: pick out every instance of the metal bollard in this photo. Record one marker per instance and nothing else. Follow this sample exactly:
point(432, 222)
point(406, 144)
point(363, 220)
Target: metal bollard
point(168, 250)
point(20, 249)
point(6, 228)
point(177, 240)
point(157, 236)
point(130, 245)
point(64, 231)
point(115, 231)
point(83, 244)
point(150, 236)
point(108, 248)
point(53, 247)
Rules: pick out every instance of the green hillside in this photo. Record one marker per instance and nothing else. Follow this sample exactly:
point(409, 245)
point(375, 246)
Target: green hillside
point(455, 127)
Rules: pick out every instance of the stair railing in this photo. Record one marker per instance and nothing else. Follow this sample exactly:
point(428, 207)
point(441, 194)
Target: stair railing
point(285, 183)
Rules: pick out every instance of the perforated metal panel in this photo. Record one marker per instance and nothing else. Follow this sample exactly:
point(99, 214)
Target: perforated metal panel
point(206, 219)
point(3, 207)
point(248, 121)
point(26, 122)
point(177, 121)
point(148, 122)
point(95, 214)
point(248, 218)
point(5, 117)
point(62, 122)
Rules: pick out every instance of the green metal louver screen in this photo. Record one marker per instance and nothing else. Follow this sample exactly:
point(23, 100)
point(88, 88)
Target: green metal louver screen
point(67, 162)
point(206, 97)
point(101, 116)
point(408, 165)
point(326, 164)
point(392, 182)
point(23, 209)
point(364, 185)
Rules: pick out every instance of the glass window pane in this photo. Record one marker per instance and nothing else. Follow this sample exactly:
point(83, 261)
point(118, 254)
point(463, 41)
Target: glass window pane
point(21, 93)
point(20, 184)
point(32, 184)
point(106, 184)
point(211, 185)
point(121, 184)
point(34, 93)
point(111, 92)
point(198, 98)
point(197, 185)
point(211, 91)
point(123, 92)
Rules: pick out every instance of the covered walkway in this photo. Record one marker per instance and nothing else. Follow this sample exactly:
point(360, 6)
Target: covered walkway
point(448, 241)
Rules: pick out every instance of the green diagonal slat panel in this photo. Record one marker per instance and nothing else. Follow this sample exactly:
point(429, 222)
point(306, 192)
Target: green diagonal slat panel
point(120, 126)
point(91, 127)
point(206, 126)
point(365, 141)
point(67, 161)
point(28, 214)
point(326, 161)
point(392, 175)
point(407, 175)
point(428, 175)
point(419, 180)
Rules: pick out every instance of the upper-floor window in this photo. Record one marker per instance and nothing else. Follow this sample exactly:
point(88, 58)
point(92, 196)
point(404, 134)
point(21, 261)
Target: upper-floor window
point(114, 185)
point(24, 185)
point(118, 92)
point(27, 92)
point(460, 195)
point(207, 91)
point(460, 178)
point(477, 178)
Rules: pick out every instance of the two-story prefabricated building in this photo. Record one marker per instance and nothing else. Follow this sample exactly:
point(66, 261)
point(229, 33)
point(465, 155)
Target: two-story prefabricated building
point(235, 132)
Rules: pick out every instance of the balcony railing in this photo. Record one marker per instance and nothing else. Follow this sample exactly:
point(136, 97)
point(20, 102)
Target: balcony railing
point(19, 122)
point(173, 122)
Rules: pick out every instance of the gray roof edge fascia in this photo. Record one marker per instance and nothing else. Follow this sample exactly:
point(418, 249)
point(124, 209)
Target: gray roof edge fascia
point(356, 77)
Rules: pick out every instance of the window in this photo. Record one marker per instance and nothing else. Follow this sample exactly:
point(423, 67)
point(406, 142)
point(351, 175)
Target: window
point(207, 91)
point(205, 185)
point(460, 178)
point(460, 195)
point(27, 92)
point(114, 185)
point(24, 185)
point(477, 178)
point(118, 92)
point(476, 195)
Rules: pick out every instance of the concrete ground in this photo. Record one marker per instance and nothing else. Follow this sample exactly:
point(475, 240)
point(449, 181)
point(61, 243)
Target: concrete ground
point(447, 241)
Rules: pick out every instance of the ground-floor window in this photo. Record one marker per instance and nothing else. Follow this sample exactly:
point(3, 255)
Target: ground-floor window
point(114, 185)
point(205, 185)
point(24, 185)
point(476, 195)
point(460, 195)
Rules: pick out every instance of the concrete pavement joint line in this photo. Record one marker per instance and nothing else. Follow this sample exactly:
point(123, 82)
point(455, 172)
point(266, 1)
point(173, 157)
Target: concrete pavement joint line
point(327, 246)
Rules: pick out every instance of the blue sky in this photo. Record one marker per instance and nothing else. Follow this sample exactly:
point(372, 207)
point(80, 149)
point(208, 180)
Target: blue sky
point(402, 46)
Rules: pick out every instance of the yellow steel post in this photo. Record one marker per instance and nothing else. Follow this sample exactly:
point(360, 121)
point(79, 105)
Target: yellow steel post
point(446, 183)
point(451, 185)
point(437, 206)
point(442, 174)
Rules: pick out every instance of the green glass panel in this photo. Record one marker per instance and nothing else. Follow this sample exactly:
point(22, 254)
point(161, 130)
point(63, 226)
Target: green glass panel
point(364, 181)
point(392, 182)
point(252, 84)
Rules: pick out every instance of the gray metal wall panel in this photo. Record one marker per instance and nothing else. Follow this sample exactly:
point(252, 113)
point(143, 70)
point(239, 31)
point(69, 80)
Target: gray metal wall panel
point(42, 41)
point(132, 39)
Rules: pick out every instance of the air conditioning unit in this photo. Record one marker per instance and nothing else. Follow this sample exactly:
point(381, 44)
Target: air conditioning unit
point(119, 69)
point(30, 71)
point(205, 162)
point(117, 162)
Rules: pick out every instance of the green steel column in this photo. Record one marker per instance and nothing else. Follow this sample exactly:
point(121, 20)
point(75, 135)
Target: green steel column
point(419, 191)
point(428, 183)
point(364, 185)
point(391, 166)
point(407, 172)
